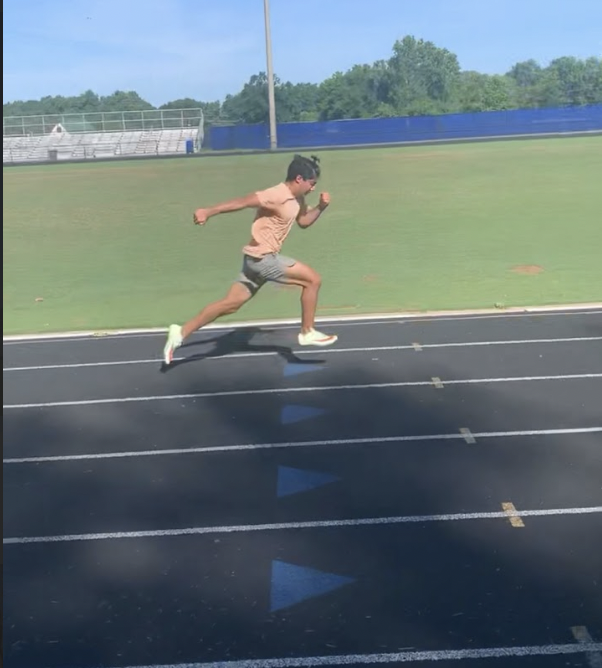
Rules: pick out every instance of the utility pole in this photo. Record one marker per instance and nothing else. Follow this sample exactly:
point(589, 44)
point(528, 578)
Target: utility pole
point(271, 96)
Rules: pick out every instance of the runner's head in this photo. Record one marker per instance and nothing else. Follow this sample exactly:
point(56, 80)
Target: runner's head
point(303, 174)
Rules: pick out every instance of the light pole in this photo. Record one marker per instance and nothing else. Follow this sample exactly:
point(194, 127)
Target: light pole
point(271, 97)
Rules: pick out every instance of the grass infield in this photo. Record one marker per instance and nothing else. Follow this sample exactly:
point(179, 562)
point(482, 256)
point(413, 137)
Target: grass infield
point(112, 245)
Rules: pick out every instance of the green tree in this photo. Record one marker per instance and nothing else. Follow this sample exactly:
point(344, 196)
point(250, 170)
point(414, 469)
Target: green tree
point(484, 92)
point(294, 102)
point(422, 77)
point(361, 92)
point(418, 78)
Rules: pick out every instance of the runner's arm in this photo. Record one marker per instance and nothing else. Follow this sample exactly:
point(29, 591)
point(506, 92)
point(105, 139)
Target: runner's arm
point(307, 216)
point(251, 201)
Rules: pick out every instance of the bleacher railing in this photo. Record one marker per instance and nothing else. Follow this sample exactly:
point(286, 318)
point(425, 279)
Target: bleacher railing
point(104, 121)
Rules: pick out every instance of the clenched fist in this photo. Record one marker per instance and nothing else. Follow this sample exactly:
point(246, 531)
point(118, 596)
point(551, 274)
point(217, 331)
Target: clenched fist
point(324, 201)
point(200, 216)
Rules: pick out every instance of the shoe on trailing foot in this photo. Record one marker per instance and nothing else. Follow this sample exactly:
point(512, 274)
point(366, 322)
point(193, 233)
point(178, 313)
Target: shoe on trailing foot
point(314, 338)
point(174, 340)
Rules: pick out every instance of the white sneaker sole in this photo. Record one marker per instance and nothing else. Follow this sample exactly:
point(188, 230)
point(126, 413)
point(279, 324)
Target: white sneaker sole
point(320, 343)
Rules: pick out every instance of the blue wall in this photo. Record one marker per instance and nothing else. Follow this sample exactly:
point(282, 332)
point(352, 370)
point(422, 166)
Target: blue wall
point(413, 128)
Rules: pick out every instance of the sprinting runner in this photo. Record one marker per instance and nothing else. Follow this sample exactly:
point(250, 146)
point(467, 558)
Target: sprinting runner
point(277, 208)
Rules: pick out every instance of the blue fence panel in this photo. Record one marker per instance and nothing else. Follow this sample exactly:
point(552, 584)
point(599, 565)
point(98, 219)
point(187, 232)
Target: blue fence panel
point(230, 137)
point(412, 128)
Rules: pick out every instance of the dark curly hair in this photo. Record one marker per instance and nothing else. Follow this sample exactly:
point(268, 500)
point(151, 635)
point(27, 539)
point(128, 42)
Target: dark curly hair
point(306, 168)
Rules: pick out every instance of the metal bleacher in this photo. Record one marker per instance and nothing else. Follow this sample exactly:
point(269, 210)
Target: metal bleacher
point(60, 144)
point(97, 145)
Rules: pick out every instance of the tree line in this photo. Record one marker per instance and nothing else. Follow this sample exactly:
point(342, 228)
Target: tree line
point(419, 78)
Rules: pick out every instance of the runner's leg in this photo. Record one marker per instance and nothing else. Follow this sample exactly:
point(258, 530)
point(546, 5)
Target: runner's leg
point(310, 282)
point(237, 296)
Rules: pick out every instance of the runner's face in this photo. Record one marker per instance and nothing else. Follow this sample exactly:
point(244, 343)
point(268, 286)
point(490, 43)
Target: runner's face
point(306, 186)
point(301, 186)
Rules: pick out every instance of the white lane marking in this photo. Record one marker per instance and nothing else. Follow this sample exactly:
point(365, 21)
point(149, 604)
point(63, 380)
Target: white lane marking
point(329, 351)
point(339, 321)
point(283, 526)
point(302, 444)
point(290, 390)
point(407, 656)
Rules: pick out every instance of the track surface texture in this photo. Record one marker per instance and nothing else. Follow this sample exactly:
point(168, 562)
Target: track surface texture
point(427, 491)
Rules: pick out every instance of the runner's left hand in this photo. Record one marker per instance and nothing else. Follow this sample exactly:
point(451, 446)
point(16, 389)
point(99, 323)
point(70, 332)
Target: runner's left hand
point(324, 200)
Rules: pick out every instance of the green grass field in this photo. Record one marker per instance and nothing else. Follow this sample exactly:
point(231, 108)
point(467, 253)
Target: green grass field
point(112, 244)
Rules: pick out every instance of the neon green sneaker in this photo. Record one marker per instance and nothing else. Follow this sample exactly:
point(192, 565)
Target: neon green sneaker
point(174, 340)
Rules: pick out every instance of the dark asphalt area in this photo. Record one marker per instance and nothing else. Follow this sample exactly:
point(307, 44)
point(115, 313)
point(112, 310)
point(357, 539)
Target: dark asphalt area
point(428, 490)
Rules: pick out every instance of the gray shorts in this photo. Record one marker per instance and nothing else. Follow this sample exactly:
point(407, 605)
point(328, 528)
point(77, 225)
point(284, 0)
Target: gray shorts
point(256, 272)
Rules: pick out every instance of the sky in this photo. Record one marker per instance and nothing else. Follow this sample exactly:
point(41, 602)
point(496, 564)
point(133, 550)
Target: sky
point(206, 49)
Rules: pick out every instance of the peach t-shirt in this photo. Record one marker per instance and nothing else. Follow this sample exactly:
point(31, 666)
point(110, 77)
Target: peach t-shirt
point(273, 222)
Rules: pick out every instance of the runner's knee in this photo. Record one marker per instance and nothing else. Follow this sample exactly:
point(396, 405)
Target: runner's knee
point(314, 279)
point(309, 277)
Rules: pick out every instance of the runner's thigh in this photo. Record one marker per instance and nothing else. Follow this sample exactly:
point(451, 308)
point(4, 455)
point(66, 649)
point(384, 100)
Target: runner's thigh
point(301, 274)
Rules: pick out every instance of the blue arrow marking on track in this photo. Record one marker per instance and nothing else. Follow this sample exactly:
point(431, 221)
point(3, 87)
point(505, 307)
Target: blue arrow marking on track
point(294, 413)
point(293, 369)
point(292, 584)
point(293, 481)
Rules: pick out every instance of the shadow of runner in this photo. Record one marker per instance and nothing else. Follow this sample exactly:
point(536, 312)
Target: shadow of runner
point(238, 341)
